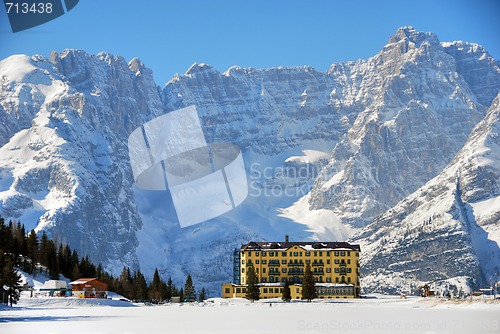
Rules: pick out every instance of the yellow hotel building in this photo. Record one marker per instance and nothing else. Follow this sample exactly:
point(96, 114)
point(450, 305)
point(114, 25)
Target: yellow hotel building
point(335, 267)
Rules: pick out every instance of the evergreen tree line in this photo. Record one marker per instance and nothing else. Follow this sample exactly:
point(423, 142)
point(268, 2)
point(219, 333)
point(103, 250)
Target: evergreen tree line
point(33, 255)
point(135, 287)
point(27, 252)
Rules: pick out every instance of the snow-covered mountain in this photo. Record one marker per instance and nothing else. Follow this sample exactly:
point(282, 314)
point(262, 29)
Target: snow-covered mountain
point(449, 228)
point(416, 112)
point(328, 156)
point(64, 161)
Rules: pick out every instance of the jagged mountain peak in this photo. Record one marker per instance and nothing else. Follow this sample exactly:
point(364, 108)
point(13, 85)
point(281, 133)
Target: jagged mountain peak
point(409, 34)
point(198, 68)
point(137, 65)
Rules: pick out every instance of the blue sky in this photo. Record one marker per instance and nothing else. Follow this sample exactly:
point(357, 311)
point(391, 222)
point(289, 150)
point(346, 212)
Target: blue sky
point(169, 36)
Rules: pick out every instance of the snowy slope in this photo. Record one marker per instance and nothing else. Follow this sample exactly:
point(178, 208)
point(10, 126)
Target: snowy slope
point(447, 228)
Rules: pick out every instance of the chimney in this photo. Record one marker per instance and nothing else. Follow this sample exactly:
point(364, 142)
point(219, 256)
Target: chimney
point(286, 238)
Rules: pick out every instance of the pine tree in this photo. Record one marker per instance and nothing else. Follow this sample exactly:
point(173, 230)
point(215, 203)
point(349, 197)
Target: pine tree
point(202, 295)
point(287, 295)
point(181, 294)
point(4, 235)
point(75, 268)
point(75, 272)
point(44, 245)
point(125, 283)
point(51, 260)
point(253, 292)
point(65, 264)
point(308, 289)
point(12, 281)
point(61, 263)
point(169, 292)
point(189, 290)
point(140, 286)
point(32, 245)
point(155, 287)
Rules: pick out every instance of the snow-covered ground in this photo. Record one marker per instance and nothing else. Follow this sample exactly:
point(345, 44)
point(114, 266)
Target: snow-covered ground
point(376, 315)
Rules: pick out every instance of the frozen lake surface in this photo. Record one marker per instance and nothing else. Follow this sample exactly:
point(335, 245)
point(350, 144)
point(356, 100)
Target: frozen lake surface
point(376, 315)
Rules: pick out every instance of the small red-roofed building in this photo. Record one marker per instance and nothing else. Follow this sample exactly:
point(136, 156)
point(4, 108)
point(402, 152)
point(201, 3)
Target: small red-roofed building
point(89, 288)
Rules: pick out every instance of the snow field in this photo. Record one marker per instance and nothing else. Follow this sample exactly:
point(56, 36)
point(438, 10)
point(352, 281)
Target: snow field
point(378, 315)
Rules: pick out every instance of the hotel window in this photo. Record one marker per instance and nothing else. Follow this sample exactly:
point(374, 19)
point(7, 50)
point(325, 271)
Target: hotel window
point(283, 261)
point(264, 261)
point(256, 253)
point(328, 280)
point(264, 280)
point(308, 253)
point(336, 279)
point(283, 253)
point(276, 290)
point(295, 253)
point(336, 253)
point(315, 253)
point(263, 270)
point(300, 253)
point(336, 270)
point(257, 261)
point(328, 270)
point(308, 261)
point(337, 261)
point(271, 253)
point(249, 253)
point(348, 261)
point(283, 270)
point(238, 290)
point(348, 280)
point(243, 290)
point(242, 261)
point(243, 270)
point(342, 253)
point(265, 290)
point(348, 253)
point(263, 253)
point(328, 261)
point(228, 290)
point(328, 253)
point(256, 270)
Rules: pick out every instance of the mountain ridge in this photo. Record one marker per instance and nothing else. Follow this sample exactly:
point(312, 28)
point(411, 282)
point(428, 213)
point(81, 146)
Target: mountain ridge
point(327, 153)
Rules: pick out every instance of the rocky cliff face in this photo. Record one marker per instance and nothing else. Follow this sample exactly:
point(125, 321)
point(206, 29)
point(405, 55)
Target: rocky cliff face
point(418, 111)
point(447, 228)
point(64, 162)
point(328, 155)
